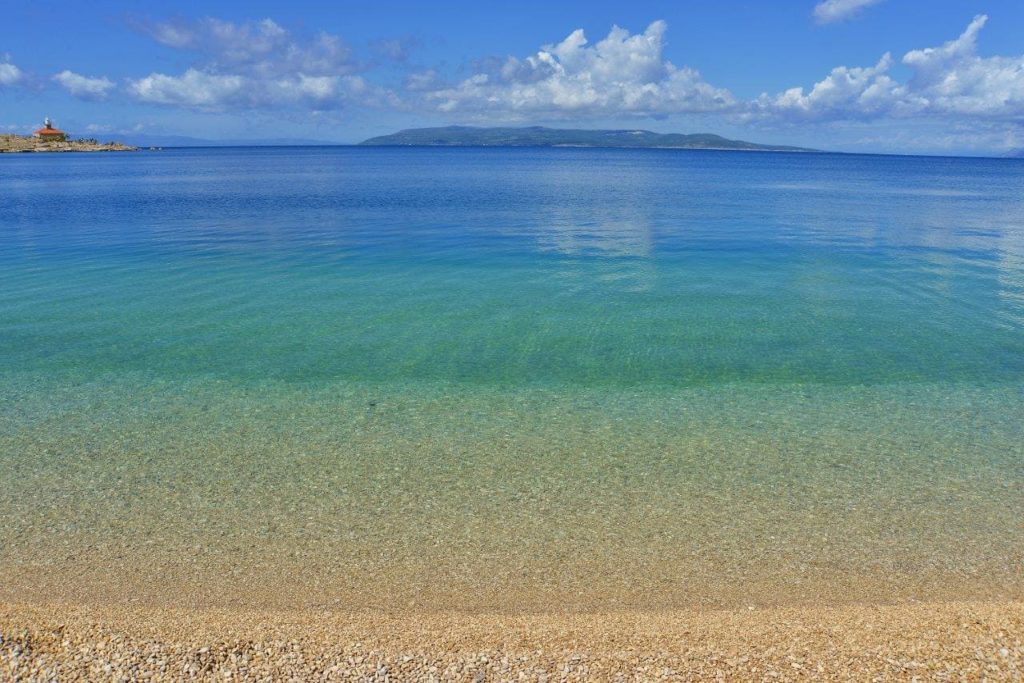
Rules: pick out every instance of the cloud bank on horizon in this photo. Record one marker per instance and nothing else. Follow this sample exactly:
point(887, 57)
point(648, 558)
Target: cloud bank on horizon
point(261, 65)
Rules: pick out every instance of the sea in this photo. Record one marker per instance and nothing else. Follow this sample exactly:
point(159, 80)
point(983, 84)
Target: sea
point(510, 379)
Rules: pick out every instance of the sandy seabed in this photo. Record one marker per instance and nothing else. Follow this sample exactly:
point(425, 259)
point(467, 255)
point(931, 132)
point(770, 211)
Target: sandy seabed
point(917, 641)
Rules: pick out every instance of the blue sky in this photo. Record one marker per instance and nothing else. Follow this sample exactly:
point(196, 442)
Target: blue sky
point(938, 76)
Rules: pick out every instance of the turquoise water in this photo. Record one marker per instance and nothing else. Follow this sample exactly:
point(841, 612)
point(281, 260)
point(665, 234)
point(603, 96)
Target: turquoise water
point(500, 378)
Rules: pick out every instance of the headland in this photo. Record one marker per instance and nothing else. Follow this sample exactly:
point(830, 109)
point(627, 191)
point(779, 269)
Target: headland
point(27, 143)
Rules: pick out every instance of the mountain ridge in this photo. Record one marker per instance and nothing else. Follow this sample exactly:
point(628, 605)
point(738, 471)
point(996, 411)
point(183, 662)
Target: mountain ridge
point(541, 136)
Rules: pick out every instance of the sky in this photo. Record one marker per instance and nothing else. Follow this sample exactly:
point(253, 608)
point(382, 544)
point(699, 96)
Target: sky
point(889, 76)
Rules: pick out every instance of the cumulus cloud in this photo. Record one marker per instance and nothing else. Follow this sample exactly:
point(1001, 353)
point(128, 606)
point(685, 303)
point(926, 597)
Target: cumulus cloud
point(847, 92)
point(829, 11)
point(950, 80)
point(621, 74)
point(256, 64)
point(954, 79)
point(205, 90)
point(194, 88)
point(84, 86)
point(10, 74)
point(261, 48)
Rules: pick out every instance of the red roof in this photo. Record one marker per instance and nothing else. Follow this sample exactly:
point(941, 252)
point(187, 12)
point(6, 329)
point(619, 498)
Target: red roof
point(49, 131)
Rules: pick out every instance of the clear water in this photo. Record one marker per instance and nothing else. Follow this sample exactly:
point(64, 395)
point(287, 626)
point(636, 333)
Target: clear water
point(510, 378)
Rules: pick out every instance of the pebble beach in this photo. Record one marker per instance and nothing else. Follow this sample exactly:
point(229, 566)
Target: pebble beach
point(925, 641)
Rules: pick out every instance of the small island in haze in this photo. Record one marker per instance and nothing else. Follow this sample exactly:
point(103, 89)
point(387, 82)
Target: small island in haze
point(539, 136)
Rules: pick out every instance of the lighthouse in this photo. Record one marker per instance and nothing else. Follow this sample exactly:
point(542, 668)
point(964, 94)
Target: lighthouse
point(50, 134)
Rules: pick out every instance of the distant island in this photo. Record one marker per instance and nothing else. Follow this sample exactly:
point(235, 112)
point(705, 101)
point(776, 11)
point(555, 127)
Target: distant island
point(539, 136)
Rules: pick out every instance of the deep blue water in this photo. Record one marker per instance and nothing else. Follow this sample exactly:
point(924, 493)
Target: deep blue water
point(516, 266)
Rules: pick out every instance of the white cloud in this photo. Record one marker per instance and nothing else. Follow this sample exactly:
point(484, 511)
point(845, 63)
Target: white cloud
point(203, 90)
point(257, 64)
point(829, 11)
point(847, 92)
point(951, 80)
point(622, 74)
point(194, 88)
point(84, 86)
point(262, 48)
point(10, 74)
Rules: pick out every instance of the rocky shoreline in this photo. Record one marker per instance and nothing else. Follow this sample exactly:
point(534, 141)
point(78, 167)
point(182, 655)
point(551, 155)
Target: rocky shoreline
point(24, 143)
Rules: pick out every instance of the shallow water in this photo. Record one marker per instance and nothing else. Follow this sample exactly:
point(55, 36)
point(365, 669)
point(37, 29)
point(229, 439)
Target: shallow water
point(510, 378)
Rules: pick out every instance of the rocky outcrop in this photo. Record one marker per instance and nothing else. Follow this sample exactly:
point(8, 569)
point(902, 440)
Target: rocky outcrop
point(24, 143)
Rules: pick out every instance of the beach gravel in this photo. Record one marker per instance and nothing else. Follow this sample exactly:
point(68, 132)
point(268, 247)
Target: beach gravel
point(930, 641)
